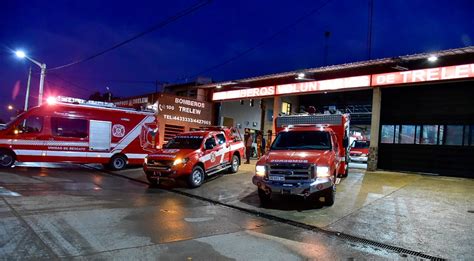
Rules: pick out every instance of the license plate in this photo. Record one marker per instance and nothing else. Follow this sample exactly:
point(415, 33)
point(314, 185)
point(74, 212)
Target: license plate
point(276, 178)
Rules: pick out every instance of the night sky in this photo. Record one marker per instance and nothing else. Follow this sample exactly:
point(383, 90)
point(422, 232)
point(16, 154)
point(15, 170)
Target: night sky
point(59, 32)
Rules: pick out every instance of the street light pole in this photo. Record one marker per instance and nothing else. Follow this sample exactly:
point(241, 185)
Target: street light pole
point(27, 97)
point(22, 54)
point(40, 92)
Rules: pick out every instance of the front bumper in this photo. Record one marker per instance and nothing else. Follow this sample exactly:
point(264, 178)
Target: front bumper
point(301, 188)
point(358, 158)
point(165, 172)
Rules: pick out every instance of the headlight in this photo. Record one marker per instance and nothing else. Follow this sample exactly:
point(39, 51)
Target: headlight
point(146, 160)
point(322, 172)
point(260, 170)
point(180, 161)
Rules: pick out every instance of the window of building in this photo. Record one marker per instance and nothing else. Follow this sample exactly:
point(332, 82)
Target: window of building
point(418, 129)
point(429, 135)
point(471, 135)
point(220, 139)
point(407, 134)
point(286, 108)
point(453, 134)
point(466, 136)
point(32, 124)
point(397, 134)
point(388, 132)
point(73, 128)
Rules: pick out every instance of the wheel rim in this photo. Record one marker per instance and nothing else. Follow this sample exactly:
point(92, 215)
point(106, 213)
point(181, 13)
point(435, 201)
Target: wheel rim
point(235, 163)
point(197, 177)
point(119, 163)
point(6, 160)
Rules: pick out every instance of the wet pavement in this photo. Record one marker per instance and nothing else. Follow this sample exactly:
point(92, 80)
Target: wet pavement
point(71, 211)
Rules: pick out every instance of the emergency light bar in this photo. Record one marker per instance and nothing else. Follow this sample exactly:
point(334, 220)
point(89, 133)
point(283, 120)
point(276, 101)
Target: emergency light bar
point(64, 99)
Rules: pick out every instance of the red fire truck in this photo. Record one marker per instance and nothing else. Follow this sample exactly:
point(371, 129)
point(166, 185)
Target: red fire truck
point(195, 155)
point(307, 155)
point(79, 131)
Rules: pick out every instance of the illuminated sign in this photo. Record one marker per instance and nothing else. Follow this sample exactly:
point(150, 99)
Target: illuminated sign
point(424, 75)
point(295, 88)
point(326, 85)
point(405, 77)
point(246, 93)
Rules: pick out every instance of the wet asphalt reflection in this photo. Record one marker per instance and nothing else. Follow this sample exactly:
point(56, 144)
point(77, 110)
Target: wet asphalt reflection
point(63, 211)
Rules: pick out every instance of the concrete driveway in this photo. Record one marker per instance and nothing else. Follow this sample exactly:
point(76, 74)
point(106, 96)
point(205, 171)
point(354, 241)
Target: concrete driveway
point(430, 214)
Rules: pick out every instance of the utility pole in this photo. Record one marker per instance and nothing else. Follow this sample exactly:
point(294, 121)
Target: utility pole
point(327, 34)
point(27, 97)
point(369, 31)
point(43, 74)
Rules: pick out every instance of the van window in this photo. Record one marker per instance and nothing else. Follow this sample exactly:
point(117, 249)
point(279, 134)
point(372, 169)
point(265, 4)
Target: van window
point(32, 124)
point(73, 128)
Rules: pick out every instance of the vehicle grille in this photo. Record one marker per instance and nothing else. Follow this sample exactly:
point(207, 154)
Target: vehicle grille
point(291, 171)
point(161, 163)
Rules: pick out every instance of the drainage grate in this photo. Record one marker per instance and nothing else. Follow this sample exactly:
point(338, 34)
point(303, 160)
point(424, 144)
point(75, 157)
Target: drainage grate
point(340, 235)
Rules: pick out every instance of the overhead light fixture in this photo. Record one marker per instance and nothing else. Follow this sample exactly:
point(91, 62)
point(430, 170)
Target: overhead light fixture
point(400, 68)
point(218, 86)
point(302, 77)
point(432, 58)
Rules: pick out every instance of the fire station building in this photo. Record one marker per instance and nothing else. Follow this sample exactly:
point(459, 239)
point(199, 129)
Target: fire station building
point(417, 110)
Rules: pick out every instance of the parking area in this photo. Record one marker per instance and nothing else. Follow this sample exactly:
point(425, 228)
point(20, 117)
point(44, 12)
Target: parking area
point(430, 214)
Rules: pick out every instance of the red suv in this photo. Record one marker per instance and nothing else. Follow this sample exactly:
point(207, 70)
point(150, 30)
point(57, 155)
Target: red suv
point(196, 155)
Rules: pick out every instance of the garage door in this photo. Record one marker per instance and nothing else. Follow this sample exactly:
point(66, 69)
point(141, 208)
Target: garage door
point(428, 128)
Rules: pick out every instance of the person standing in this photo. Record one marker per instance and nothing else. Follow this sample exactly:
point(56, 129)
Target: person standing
point(269, 140)
point(248, 145)
point(259, 143)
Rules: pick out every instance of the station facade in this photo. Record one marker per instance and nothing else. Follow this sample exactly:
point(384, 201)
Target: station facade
point(417, 110)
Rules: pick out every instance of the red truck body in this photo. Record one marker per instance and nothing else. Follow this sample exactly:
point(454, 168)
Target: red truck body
point(79, 131)
point(195, 155)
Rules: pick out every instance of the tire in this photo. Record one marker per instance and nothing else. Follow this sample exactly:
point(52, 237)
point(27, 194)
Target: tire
point(118, 162)
point(7, 159)
point(265, 198)
point(196, 178)
point(235, 163)
point(330, 196)
point(154, 182)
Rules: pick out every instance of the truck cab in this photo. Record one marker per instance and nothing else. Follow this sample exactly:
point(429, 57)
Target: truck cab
point(196, 155)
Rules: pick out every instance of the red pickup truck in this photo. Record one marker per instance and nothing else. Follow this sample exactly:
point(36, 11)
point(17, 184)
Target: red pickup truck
point(196, 155)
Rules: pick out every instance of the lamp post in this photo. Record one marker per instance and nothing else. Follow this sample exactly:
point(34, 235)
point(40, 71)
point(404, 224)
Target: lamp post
point(21, 54)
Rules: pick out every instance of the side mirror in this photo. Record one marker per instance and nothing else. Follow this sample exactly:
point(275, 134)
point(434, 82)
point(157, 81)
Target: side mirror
point(345, 142)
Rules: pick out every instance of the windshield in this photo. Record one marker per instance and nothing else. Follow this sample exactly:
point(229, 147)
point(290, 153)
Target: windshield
point(8, 124)
point(184, 142)
point(358, 144)
point(302, 140)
